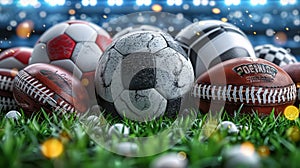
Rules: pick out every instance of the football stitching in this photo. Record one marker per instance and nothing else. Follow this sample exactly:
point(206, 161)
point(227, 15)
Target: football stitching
point(245, 94)
point(7, 103)
point(37, 90)
point(6, 83)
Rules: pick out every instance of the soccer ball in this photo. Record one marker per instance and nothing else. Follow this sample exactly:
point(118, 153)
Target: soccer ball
point(136, 28)
point(276, 55)
point(210, 42)
point(143, 75)
point(75, 46)
point(15, 58)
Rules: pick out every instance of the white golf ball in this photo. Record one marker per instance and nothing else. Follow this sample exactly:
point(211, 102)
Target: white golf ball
point(229, 126)
point(13, 114)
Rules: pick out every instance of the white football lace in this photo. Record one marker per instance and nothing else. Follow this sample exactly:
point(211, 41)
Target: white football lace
point(245, 94)
point(33, 88)
point(6, 84)
point(7, 103)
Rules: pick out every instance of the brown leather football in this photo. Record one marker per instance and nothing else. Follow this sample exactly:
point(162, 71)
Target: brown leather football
point(294, 71)
point(51, 88)
point(7, 101)
point(255, 83)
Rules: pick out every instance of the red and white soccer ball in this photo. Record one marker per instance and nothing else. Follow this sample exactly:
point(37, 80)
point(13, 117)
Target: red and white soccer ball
point(15, 58)
point(75, 46)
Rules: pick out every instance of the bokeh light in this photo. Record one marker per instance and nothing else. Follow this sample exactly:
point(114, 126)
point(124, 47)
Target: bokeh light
point(216, 11)
point(293, 133)
point(157, 8)
point(24, 29)
point(247, 148)
point(52, 148)
point(291, 112)
point(263, 151)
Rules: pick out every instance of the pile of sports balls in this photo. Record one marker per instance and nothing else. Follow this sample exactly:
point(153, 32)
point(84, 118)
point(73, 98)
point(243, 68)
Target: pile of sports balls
point(143, 72)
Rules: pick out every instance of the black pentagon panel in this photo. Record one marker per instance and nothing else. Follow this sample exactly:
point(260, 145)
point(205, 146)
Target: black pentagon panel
point(137, 75)
point(144, 79)
point(229, 54)
point(173, 107)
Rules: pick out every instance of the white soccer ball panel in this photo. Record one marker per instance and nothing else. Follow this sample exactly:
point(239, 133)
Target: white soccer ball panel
point(141, 105)
point(11, 62)
point(99, 30)
point(81, 32)
point(68, 65)
point(174, 74)
point(86, 56)
point(136, 28)
point(54, 31)
point(108, 63)
point(39, 54)
point(140, 42)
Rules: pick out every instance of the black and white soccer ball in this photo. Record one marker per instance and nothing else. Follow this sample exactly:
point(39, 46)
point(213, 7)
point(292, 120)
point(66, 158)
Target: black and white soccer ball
point(210, 42)
point(135, 28)
point(276, 55)
point(143, 75)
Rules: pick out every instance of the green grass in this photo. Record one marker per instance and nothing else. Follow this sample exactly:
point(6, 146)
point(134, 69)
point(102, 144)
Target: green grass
point(20, 142)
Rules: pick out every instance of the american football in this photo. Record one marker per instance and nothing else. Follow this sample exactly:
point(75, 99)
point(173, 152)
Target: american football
point(255, 83)
point(51, 88)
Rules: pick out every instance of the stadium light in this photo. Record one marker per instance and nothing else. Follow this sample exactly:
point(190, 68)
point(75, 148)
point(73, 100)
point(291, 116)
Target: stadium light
point(115, 2)
point(6, 2)
point(288, 2)
point(170, 2)
point(178, 2)
point(205, 2)
point(258, 2)
point(111, 2)
point(119, 2)
point(232, 2)
point(55, 2)
point(93, 2)
point(147, 2)
point(143, 2)
point(196, 2)
point(28, 2)
point(139, 2)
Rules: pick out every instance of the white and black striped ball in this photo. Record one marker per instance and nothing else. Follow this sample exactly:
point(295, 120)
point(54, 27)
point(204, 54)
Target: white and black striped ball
point(253, 83)
point(276, 55)
point(51, 88)
point(210, 42)
point(143, 75)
